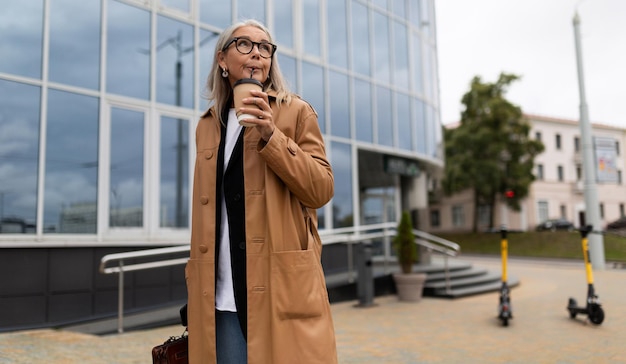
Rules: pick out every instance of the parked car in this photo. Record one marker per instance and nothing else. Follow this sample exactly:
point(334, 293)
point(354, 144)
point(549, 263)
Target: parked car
point(617, 224)
point(555, 224)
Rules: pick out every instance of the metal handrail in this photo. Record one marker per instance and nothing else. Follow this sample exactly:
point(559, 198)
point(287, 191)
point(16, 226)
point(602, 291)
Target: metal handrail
point(356, 234)
point(119, 258)
point(349, 236)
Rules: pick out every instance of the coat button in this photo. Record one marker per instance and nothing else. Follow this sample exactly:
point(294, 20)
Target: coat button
point(237, 197)
point(203, 248)
point(208, 155)
point(204, 200)
point(242, 245)
point(292, 147)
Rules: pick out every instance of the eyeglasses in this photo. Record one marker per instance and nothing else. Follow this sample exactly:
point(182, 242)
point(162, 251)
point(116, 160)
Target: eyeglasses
point(245, 46)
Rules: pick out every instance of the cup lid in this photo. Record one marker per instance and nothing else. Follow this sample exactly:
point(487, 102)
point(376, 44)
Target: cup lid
point(248, 80)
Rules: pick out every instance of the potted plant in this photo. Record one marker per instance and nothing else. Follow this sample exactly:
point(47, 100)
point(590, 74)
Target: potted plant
point(409, 285)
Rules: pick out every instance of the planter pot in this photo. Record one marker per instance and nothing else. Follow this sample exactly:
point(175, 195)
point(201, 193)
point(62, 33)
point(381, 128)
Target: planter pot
point(409, 286)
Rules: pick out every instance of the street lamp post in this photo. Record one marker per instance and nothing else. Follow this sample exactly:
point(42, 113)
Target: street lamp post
point(505, 157)
point(180, 144)
point(592, 209)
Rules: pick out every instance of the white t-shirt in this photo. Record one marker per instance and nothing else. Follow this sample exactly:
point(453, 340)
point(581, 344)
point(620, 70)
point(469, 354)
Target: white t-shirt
point(224, 289)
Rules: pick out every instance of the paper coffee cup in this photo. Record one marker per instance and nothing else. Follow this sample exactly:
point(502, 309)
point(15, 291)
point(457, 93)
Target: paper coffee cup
point(241, 90)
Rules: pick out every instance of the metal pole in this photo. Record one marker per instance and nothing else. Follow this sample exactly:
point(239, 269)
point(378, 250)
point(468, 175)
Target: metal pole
point(179, 132)
point(592, 208)
point(505, 217)
point(350, 262)
point(387, 250)
point(365, 282)
point(120, 299)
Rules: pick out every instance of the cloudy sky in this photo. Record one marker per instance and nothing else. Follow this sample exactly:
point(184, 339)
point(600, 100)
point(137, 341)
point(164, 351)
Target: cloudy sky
point(535, 39)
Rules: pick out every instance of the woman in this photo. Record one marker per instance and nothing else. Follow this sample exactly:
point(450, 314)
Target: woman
point(255, 283)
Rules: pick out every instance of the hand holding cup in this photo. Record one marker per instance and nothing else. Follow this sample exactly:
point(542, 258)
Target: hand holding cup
point(241, 90)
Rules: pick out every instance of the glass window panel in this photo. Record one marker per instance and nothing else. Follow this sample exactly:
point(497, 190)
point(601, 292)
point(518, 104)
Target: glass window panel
point(288, 69)
point(313, 90)
point(384, 116)
point(19, 149)
point(420, 125)
point(438, 135)
point(399, 8)
point(418, 72)
point(381, 3)
point(321, 218)
point(360, 39)
point(251, 9)
point(126, 185)
point(378, 205)
point(414, 12)
point(216, 12)
point(428, 22)
point(339, 105)
point(430, 131)
point(381, 47)
point(182, 5)
point(208, 40)
point(484, 214)
point(175, 73)
point(70, 192)
point(337, 33)
point(75, 43)
point(434, 218)
point(343, 214)
point(401, 59)
point(372, 207)
point(403, 115)
point(363, 111)
point(283, 22)
point(21, 30)
point(311, 27)
point(543, 210)
point(128, 51)
point(428, 73)
point(458, 216)
point(174, 186)
point(434, 89)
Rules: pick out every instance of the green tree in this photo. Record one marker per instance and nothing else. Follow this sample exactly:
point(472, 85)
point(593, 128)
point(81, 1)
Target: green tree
point(490, 152)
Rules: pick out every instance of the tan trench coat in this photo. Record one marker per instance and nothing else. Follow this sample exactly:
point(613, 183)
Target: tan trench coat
point(286, 180)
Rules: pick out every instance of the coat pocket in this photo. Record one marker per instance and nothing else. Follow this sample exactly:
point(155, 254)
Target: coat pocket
point(297, 290)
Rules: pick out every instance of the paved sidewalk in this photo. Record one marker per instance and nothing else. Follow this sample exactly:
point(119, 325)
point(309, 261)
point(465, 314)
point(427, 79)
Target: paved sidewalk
point(433, 330)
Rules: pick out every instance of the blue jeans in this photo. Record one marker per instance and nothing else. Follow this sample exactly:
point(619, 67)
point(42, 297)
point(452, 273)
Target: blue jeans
point(230, 343)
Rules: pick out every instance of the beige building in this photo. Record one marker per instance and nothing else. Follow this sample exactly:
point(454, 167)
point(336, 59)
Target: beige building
point(558, 191)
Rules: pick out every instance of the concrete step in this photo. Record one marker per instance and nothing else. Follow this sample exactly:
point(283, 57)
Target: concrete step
point(464, 273)
point(475, 289)
point(138, 320)
point(485, 278)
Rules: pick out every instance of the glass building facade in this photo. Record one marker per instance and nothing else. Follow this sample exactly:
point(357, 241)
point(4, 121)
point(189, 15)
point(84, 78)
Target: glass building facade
point(99, 101)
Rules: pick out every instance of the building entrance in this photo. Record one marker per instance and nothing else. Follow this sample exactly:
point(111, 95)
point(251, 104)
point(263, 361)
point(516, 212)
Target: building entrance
point(378, 190)
point(379, 194)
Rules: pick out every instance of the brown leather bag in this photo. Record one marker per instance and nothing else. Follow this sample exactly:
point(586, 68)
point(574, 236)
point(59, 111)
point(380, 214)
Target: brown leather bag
point(172, 351)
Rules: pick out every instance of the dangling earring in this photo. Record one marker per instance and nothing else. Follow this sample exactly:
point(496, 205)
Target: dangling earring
point(224, 73)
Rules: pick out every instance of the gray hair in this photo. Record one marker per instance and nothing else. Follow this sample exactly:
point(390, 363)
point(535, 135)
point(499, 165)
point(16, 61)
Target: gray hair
point(219, 88)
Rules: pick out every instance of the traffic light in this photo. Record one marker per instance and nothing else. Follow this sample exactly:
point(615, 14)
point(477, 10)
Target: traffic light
point(509, 194)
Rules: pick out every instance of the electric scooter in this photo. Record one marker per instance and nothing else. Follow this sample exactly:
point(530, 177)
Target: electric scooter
point(593, 309)
point(505, 313)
